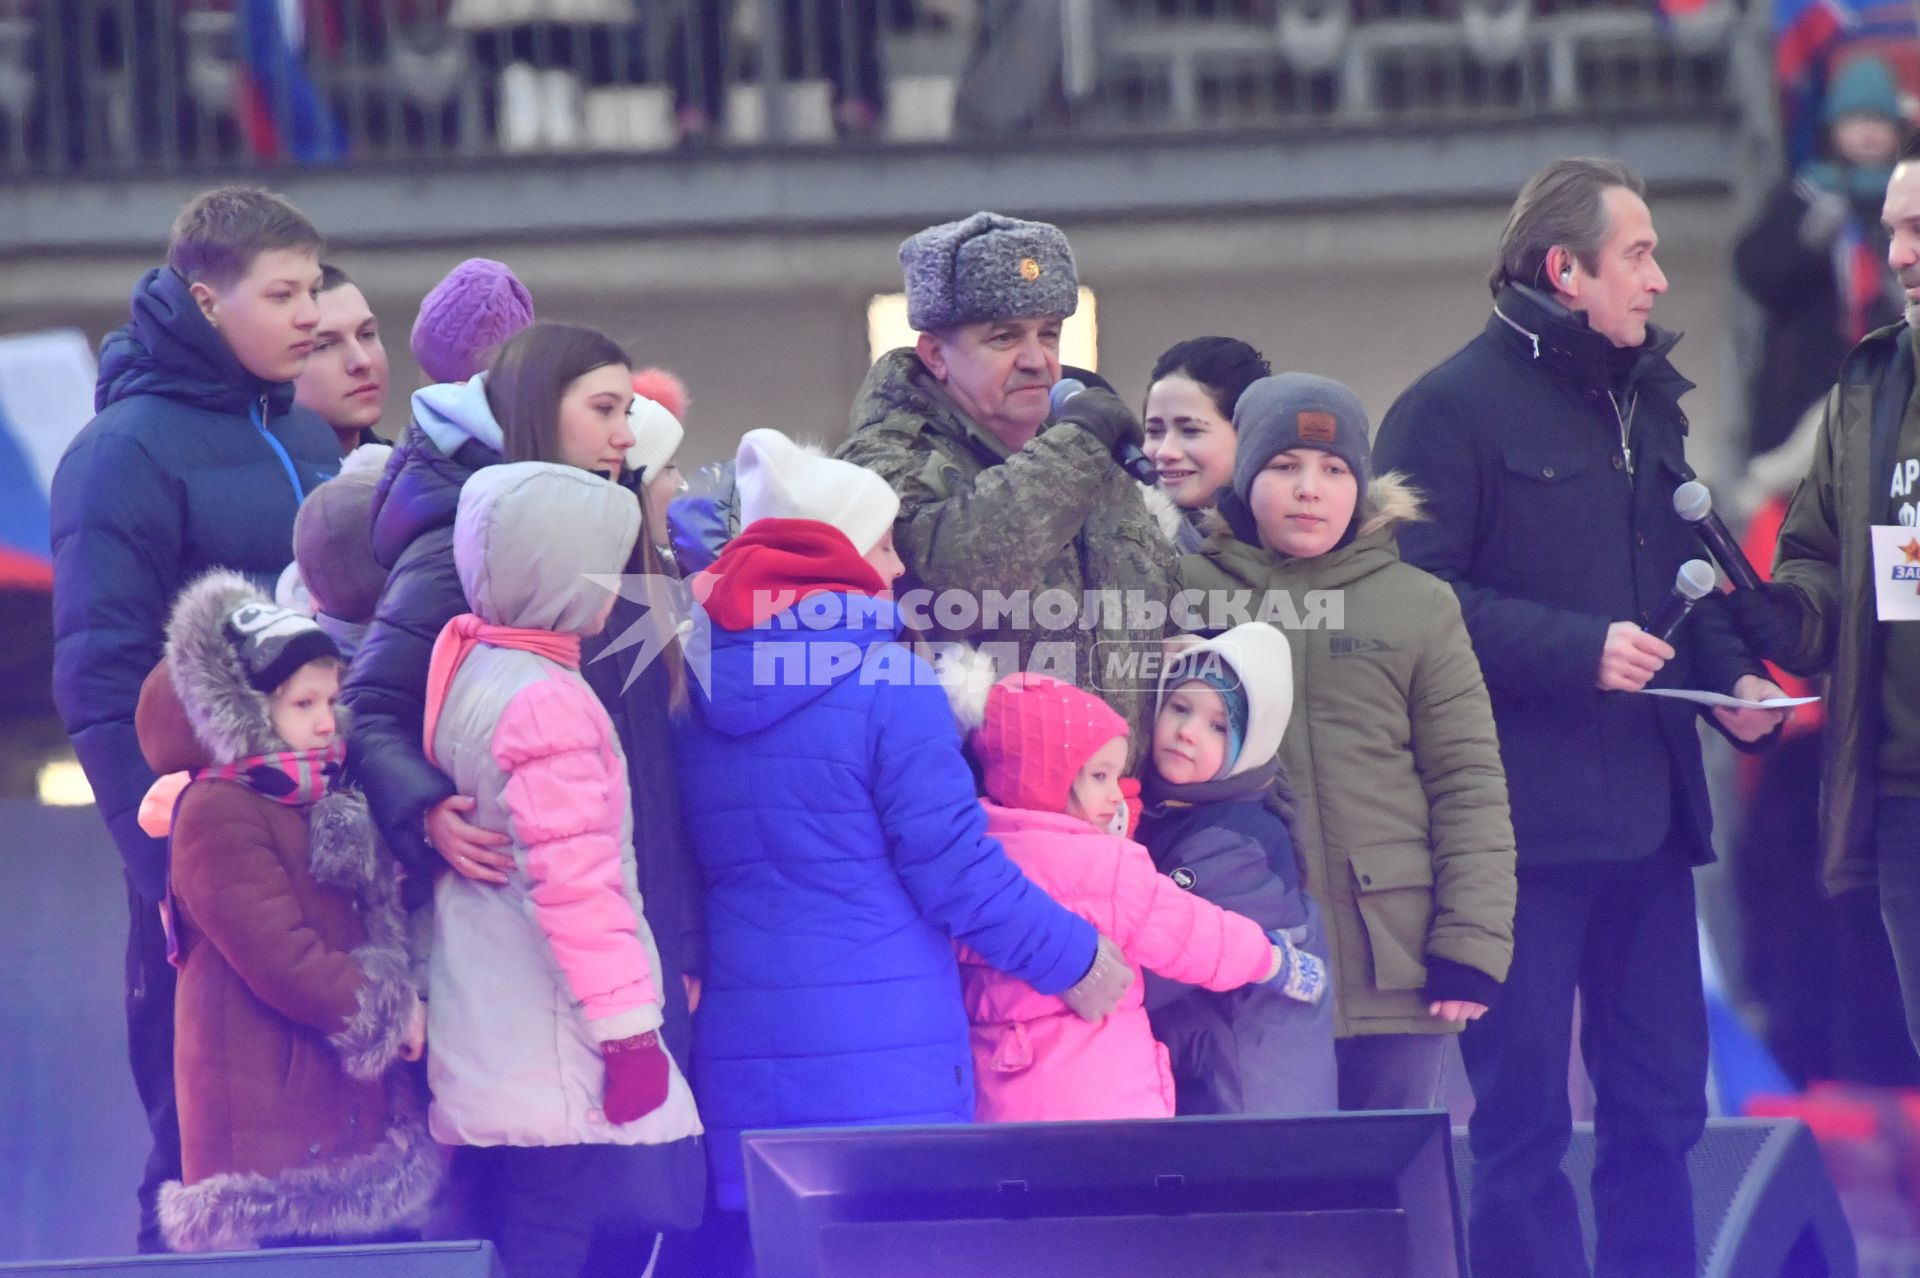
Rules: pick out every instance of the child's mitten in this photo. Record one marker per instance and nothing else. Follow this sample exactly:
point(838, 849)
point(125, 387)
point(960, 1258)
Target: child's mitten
point(1299, 974)
point(156, 809)
point(637, 1075)
point(1105, 983)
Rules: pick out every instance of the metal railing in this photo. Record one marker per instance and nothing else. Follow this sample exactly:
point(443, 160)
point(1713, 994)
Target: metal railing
point(95, 87)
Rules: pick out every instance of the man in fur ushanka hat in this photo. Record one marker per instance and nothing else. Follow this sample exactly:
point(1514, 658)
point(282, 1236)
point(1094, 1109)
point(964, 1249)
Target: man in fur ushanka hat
point(996, 493)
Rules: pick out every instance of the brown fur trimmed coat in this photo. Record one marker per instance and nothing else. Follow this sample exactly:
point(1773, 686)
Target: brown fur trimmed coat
point(294, 990)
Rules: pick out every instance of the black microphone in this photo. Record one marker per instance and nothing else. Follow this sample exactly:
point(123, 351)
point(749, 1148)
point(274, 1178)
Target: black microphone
point(1691, 584)
point(1129, 457)
point(1693, 503)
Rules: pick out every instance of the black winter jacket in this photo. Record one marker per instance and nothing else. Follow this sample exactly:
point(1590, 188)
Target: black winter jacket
point(1549, 530)
point(1252, 1050)
point(1806, 338)
point(191, 463)
point(386, 689)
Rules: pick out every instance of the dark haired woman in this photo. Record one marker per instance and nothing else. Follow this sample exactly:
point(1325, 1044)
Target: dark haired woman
point(1189, 424)
point(554, 393)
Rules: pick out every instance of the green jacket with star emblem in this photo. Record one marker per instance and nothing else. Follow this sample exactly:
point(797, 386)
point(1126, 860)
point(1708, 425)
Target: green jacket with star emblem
point(1825, 554)
point(1056, 515)
point(1402, 817)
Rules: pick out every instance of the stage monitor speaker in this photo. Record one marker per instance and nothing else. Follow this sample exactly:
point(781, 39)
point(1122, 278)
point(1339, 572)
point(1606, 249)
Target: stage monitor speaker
point(1763, 1204)
point(387, 1260)
point(1331, 1196)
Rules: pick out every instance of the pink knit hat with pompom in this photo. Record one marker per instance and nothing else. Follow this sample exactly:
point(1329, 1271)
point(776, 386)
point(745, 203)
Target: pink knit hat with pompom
point(1037, 735)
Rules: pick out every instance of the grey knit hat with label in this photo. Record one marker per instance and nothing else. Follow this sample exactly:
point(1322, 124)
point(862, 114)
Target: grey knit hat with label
point(987, 267)
point(1298, 410)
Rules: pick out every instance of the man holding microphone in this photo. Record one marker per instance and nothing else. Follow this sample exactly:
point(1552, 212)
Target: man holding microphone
point(1548, 451)
point(993, 498)
point(1844, 597)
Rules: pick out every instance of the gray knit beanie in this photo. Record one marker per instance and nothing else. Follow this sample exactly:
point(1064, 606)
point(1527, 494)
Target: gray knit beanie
point(1298, 410)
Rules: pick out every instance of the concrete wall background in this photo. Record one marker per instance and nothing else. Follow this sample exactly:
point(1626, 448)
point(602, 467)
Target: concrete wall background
point(771, 330)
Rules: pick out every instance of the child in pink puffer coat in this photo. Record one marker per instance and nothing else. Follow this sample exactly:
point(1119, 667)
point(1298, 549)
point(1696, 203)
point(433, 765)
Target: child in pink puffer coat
point(544, 999)
point(1053, 757)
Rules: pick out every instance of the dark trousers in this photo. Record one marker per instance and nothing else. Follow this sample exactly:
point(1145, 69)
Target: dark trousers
point(1624, 935)
point(560, 1210)
point(1391, 1071)
point(1897, 850)
point(150, 981)
point(721, 1248)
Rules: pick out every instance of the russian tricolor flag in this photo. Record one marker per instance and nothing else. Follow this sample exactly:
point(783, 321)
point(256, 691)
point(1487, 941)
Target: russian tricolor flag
point(1803, 30)
point(1804, 33)
point(281, 111)
point(46, 396)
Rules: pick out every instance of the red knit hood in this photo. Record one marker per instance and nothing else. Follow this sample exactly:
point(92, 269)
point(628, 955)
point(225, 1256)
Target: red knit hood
point(774, 564)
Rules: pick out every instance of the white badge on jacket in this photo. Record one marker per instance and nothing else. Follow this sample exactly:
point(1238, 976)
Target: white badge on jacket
point(1896, 572)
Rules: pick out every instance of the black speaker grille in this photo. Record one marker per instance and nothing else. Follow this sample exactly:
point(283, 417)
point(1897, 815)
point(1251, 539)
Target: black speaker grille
point(1716, 1166)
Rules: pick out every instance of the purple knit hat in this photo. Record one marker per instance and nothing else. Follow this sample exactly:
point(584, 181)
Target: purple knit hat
point(478, 306)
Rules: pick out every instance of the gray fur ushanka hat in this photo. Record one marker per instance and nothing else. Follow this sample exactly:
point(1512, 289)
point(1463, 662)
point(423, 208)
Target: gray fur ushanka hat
point(987, 267)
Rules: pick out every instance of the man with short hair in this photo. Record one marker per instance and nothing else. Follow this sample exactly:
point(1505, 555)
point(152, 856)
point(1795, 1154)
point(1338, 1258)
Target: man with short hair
point(1548, 450)
point(1820, 610)
point(993, 497)
point(346, 378)
point(198, 458)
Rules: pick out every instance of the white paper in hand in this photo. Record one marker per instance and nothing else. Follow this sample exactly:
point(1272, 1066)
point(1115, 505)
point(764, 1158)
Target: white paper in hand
point(1730, 703)
point(1896, 572)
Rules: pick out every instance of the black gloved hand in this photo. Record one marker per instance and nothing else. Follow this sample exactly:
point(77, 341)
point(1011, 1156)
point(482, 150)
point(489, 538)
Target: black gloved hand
point(1768, 619)
point(1102, 414)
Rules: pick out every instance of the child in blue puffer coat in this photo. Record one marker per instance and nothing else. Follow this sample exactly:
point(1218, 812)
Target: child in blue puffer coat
point(835, 820)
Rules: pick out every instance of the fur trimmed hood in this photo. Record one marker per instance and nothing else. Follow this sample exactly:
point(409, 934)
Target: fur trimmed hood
point(227, 717)
point(1167, 515)
point(1392, 500)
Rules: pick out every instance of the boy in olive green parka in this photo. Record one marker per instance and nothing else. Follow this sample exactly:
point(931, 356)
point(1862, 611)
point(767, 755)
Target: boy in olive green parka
point(1402, 815)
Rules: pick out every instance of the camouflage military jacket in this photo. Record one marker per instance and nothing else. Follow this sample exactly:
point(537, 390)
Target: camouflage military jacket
point(1046, 553)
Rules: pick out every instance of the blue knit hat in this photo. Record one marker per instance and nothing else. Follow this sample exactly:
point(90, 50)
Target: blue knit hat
point(1865, 87)
point(1205, 667)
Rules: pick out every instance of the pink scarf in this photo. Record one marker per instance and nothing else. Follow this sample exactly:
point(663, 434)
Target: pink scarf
point(465, 633)
point(297, 778)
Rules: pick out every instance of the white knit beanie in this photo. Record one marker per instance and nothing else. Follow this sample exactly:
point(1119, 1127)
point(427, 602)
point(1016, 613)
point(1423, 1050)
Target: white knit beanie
point(656, 437)
point(779, 479)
